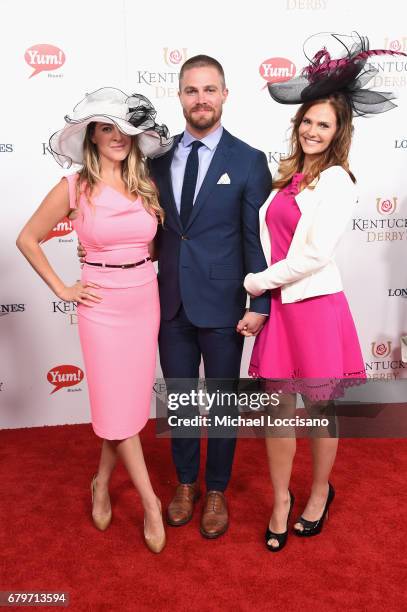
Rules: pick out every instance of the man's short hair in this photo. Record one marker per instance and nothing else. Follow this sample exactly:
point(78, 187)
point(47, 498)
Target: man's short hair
point(201, 61)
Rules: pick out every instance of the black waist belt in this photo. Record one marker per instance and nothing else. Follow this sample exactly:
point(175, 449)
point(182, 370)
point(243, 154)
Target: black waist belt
point(123, 266)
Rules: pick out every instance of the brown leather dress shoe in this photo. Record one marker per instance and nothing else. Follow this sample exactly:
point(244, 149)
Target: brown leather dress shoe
point(181, 508)
point(215, 518)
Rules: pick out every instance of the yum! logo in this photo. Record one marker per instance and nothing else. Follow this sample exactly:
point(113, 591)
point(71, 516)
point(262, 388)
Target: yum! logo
point(381, 349)
point(62, 228)
point(386, 207)
point(64, 376)
point(44, 57)
point(277, 70)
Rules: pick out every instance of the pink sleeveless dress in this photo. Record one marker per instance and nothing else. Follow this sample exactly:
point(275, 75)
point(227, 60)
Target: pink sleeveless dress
point(119, 335)
point(312, 343)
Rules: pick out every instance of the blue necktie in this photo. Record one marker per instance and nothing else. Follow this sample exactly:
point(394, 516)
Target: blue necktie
point(189, 184)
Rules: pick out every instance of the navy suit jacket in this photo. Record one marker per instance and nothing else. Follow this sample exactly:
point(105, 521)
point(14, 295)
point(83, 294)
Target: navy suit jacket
point(203, 265)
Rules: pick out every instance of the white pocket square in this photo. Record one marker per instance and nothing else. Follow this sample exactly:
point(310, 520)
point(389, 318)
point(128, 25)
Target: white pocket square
point(224, 180)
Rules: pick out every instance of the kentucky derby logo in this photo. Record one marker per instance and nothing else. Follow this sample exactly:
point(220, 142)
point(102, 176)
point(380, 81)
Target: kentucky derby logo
point(386, 207)
point(277, 70)
point(44, 58)
point(174, 56)
point(67, 308)
point(64, 376)
point(381, 349)
point(62, 228)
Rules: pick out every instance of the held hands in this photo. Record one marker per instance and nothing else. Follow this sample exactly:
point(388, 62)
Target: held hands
point(251, 324)
point(81, 293)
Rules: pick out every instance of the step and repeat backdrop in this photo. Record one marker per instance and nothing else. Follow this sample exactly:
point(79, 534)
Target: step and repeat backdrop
point(52, 54)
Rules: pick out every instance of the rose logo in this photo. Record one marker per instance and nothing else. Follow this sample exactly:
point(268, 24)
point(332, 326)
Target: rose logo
point(381, 349)
point(175, 56)
point(395, 45)
point(386, 206)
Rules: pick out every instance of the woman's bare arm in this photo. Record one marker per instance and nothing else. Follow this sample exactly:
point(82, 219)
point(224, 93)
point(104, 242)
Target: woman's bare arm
point(53, 208)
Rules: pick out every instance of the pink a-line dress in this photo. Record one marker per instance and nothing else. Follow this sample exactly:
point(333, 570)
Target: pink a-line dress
point(119, 335)
point(311, 344)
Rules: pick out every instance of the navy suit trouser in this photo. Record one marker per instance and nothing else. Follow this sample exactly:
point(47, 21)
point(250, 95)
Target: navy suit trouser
point(181, 346)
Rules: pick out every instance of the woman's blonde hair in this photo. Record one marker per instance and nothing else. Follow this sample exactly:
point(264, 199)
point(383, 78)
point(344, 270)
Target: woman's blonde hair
point(134, 172)
point(335, 155)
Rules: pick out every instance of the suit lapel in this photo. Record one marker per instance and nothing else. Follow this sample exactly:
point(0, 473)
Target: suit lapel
point(215, 171)
point(166, 174)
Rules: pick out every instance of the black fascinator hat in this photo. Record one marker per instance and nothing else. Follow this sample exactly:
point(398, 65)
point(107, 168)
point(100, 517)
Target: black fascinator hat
point(348, 73)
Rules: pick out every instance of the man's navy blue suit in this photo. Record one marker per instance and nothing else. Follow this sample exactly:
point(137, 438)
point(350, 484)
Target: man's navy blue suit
point(201, 272)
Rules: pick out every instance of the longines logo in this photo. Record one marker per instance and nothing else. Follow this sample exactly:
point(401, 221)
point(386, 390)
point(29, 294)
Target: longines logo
point(44, 58)
point(385, 229)
point(397, 293)
point(62, 228)
point(306, 5)
point(6, 309)
point(277, 70)
point(66, 308)
point(377, 369)
point(6, 148)
point(65, 376)
point(400, 144)
point(164, 84)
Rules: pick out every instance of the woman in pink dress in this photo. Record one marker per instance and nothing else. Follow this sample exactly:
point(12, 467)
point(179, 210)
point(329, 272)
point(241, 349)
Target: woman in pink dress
point(309, 344)
point(115, 211)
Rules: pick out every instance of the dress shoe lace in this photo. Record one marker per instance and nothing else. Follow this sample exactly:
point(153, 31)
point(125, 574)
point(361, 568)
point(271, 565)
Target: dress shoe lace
point(183, 490)
point(214, 501)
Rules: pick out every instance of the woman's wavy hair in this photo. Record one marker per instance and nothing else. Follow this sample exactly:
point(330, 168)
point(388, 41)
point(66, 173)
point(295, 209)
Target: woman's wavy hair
point(134, 172)
point(335, 155)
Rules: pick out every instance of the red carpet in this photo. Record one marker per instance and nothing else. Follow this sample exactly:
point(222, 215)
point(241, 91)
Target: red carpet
point(49, 543)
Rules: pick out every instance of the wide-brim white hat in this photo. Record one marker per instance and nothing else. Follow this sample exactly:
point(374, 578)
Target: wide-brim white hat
point(133, 115)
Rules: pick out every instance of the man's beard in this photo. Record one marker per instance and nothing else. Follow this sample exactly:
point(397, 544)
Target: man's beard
point(203, 123)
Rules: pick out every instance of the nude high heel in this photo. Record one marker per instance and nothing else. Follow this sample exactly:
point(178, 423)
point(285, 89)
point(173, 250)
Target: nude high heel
point(100, 522)
point(155, 544)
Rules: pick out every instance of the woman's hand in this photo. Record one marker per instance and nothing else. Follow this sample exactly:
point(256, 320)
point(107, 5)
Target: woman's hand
point(81, 293)
point(251, 324)
point(81, 251)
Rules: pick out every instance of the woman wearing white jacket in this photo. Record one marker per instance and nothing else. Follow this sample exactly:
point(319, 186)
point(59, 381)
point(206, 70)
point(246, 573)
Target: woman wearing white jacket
point(310, 341)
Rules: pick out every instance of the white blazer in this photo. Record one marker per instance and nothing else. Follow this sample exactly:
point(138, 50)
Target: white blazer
point(309, 268)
